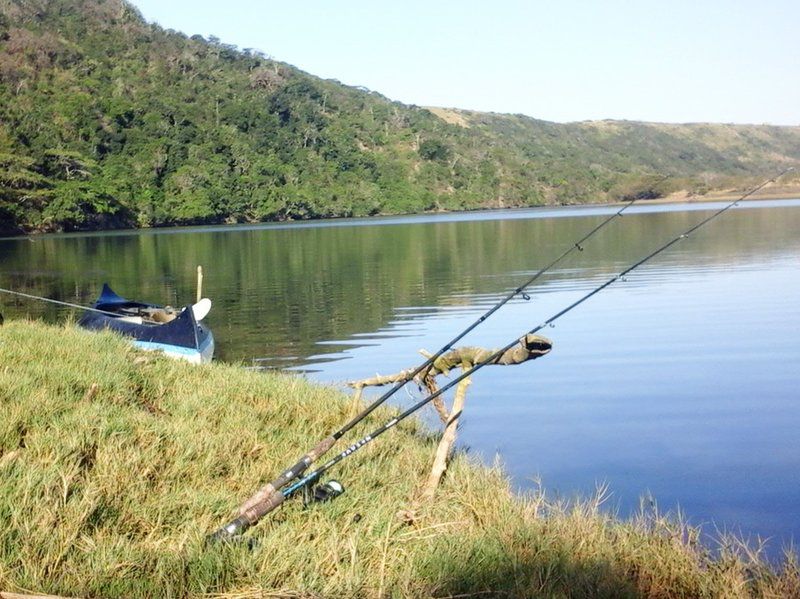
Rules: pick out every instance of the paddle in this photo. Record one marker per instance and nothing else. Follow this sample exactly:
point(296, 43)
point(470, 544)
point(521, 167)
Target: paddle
point(201, 309)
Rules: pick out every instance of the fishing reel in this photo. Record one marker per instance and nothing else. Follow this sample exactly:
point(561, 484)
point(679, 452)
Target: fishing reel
point(322, 492)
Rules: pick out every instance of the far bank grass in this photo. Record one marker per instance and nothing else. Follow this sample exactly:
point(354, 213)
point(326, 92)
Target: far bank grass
point(110, 494)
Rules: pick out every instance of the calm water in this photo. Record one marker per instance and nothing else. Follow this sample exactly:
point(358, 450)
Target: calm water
point(681, 382)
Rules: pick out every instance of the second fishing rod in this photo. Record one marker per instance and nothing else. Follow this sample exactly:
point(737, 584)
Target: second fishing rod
point(299, 467)
point(252, 513)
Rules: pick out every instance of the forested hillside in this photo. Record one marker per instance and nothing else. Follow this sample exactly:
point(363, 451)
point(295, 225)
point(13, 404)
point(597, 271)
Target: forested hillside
point(107, 121)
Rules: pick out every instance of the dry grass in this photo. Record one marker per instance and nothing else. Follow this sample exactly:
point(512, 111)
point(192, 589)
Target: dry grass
point(109, 493)
point(451, 116)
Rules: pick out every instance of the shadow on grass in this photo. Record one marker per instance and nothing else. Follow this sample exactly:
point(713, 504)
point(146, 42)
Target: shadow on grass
point(533, 576)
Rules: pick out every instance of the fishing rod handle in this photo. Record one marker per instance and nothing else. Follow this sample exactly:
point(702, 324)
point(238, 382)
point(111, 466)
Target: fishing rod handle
point(258, 511)
point(274, 486)
point(230, 531)
point(237, 526)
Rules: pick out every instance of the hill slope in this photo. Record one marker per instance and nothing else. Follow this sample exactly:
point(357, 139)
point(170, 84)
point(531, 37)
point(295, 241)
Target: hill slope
point(108, 121)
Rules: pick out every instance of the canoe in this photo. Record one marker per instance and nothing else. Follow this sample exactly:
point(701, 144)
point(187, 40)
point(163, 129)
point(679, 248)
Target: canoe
point(177, 333)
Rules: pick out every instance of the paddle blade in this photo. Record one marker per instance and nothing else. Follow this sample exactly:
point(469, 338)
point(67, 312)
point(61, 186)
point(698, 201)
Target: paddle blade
point(201, 309)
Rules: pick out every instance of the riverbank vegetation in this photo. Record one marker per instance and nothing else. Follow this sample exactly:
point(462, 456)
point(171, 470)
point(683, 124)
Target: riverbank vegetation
point(107, 121)
point(114, 465)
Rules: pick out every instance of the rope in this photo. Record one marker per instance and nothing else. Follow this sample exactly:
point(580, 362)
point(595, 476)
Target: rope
point(57, 302)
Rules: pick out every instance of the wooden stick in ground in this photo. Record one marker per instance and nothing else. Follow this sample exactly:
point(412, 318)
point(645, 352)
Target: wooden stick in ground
point(445, 448)
point(199, 283)
point(425, 379)
point(529, 347)
point(355, 404)
point(430, 383)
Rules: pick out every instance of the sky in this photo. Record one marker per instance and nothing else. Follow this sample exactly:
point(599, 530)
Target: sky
point(675, 61)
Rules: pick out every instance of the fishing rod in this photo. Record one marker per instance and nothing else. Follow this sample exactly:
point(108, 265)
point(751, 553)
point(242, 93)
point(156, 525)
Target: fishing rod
point(250, 514)
point(327, 443)
point(57, 302)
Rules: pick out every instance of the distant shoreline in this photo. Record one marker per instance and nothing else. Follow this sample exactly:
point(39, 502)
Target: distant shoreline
point(681, 197)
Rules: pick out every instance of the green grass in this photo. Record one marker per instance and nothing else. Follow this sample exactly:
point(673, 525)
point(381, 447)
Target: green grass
point(110, 494)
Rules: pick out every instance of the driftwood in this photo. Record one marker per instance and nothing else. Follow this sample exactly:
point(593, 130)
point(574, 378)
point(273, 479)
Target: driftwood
point(529, 347)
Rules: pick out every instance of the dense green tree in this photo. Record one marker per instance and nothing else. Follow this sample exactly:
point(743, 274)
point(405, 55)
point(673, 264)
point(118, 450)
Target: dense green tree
point(108, 121)
point(432, 149)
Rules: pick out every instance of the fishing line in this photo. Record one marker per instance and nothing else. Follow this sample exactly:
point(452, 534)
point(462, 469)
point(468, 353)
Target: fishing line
point(326, 444)
point(251, 512)
point(57, 302)
point(518, 291)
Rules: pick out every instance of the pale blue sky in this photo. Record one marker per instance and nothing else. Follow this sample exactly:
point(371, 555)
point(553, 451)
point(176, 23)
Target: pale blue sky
point(732, 61)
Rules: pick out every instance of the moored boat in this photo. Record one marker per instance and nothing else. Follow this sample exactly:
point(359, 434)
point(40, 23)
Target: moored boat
point(177, 333)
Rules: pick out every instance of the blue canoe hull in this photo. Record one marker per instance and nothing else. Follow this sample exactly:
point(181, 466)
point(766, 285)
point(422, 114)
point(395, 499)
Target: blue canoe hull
point(182, 337)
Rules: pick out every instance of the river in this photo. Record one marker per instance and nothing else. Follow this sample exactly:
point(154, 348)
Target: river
point(680, 383)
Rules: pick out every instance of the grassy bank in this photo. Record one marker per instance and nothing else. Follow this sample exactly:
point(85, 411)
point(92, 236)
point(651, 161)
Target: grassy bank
point(115, 464)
